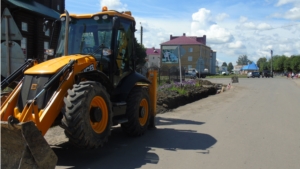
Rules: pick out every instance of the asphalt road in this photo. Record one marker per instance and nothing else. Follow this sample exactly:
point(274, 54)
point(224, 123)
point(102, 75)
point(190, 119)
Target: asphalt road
point(255, 124)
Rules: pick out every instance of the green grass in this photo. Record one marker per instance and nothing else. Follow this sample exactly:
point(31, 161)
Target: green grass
point(180, 90)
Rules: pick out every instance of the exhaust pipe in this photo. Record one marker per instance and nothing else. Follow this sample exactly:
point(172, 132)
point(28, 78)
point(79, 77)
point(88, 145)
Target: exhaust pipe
point(66, 33)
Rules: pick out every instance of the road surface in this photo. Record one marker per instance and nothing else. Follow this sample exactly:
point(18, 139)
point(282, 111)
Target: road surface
point(255, 124)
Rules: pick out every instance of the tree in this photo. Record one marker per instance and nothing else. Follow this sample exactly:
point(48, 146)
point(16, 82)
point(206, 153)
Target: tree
point(140, 53)
point(263, 66)
point(261, 60)
point(224, 64)
point(287, 64)
point(229, 67)
point(278, 63)
point(243, 60)
point(295, 63)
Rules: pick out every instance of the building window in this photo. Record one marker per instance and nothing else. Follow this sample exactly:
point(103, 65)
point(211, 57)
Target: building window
point(24, 26)
point(58, 7)
point(24, 46)
point(190, 58)
point(47, 32)
point(191, 49)
point(189, 67)
point(46, 45)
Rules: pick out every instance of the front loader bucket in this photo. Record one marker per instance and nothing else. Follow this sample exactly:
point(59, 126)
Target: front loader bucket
point(23, 146)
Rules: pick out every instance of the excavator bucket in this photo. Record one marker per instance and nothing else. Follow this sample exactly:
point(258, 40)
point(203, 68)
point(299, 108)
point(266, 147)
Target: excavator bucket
point(23, 146)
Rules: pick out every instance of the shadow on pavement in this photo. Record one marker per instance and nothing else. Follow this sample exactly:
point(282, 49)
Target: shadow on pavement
point(172, 121)
point(124, 152)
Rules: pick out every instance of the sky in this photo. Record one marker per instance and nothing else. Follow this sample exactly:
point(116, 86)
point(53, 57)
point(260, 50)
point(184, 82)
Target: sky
point(232, 27)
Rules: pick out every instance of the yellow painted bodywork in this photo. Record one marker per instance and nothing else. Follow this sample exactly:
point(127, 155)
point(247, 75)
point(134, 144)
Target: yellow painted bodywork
point(53, 65)
point(152, 76)
point(45, 117)
point(110, 13)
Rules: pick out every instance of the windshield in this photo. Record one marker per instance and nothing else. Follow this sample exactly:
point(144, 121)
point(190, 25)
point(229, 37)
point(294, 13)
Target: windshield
point(86, 36)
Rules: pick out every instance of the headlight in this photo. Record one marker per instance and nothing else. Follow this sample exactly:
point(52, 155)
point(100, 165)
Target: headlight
point(96, 18)
point(104, 17)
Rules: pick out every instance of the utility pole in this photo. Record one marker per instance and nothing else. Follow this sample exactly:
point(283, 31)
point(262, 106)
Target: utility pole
point(141, 34)
point(199, 72)
point(179, 60)
point(271, 62)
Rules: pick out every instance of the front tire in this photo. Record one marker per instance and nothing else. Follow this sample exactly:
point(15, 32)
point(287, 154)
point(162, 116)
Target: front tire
point(137, 112)
point(87, 115)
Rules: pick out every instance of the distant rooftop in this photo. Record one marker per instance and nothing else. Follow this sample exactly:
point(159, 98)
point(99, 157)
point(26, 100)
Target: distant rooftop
point(152, 51)
point(186, 40)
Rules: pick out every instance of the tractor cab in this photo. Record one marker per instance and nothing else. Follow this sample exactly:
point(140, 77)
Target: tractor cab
point(107, 36)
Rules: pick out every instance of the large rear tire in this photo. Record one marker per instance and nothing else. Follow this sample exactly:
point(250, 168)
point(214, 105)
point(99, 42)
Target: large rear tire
point(137, 112)
point(87, 115)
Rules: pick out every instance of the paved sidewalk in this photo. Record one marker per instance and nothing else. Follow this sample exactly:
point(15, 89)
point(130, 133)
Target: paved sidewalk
point(297, 81)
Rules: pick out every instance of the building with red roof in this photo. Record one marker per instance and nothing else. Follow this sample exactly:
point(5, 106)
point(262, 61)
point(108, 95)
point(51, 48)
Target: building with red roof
point(194, 53)
point(153, 57)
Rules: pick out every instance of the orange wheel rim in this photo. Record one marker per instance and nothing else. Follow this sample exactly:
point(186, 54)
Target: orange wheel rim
point(100, 126)
point(145, 106)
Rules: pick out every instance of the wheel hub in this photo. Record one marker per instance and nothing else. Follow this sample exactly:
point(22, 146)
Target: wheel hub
point(142, 112)
point(96, 114)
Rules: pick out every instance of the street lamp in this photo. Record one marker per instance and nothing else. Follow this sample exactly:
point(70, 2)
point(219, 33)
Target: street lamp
point(271, 62)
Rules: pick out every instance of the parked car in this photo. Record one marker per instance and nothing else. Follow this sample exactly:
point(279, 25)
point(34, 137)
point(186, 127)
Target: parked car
point(253, 74)
point(190, 75)
point(225, 73)
point(249, 74)
point(267, 73)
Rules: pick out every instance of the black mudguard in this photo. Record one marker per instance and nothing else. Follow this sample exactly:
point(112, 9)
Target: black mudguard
point(98, 76)
point(127, 83)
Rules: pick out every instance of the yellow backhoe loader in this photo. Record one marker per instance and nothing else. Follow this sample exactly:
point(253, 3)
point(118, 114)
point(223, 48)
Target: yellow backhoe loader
point(89, 86)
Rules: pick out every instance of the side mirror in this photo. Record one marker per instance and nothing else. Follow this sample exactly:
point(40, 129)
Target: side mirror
point(45, 25)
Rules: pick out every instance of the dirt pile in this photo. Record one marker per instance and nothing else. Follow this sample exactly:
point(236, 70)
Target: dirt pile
point(169, 99)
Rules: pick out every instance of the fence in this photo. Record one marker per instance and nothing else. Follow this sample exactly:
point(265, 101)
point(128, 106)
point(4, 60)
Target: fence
point(165, 74)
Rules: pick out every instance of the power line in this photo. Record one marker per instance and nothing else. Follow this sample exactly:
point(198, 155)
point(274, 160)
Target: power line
point(279, 27)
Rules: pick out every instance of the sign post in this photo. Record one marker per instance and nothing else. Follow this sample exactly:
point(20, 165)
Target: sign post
point(181, 52)
point(179, 62)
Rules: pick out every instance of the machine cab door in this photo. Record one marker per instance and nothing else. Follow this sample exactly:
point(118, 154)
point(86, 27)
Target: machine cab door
point(124, 50)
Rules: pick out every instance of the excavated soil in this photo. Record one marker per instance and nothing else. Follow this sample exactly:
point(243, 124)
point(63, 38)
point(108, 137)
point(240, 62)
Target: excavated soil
point(170, 99)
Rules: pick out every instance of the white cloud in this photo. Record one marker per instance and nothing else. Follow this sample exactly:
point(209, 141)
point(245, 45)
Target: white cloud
point(248, 25)
point(156, 31)
point(264, 26)
point(285, 47)
point(284, 2)
point(222, 16)
point(236, 45)
point(204, 25)
point(113, 4)
point(201, 19)
point(293, 14)
point(243, 19)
